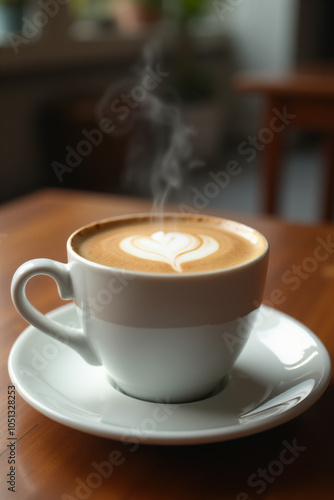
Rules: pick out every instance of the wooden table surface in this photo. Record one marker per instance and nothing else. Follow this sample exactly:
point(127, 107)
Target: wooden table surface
point(53, 460)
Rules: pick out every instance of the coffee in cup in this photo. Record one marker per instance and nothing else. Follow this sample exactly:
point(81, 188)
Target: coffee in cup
point(156, 297)
point(172, 245)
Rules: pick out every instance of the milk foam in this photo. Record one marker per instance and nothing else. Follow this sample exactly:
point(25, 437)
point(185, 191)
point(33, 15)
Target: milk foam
point(173, 248)
point(178, 245)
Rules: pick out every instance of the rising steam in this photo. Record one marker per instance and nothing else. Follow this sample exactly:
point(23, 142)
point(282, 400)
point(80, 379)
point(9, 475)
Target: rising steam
point(159, 152)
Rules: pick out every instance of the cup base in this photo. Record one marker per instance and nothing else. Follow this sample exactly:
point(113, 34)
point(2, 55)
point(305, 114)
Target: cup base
point(218, 387)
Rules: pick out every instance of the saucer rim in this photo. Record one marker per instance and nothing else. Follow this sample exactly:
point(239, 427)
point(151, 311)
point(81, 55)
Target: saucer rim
point(170, 437)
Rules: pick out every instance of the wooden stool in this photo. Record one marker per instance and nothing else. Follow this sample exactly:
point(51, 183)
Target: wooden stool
point(308, 96)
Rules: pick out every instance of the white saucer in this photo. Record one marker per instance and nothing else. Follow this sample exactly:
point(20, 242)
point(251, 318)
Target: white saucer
point(282, 371)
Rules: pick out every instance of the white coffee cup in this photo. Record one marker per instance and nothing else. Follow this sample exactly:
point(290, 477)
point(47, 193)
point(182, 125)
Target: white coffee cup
point(160, 337)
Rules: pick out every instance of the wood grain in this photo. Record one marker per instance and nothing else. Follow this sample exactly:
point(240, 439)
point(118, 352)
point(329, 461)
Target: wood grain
point(53, 460)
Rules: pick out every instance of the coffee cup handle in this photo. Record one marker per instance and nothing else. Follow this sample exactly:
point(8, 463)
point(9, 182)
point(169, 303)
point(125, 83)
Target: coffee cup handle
point(71, 336)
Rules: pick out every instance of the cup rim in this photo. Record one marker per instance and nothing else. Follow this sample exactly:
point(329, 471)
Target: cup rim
point(147, 215)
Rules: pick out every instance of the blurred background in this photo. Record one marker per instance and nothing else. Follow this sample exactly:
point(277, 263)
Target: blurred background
point(252, 80)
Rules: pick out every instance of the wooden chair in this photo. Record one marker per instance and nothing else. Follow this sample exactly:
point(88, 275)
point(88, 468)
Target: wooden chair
point(307, 93)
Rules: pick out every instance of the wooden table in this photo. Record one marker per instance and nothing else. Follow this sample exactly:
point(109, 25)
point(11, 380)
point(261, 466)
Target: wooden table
point(51, 459)
point(304, 99)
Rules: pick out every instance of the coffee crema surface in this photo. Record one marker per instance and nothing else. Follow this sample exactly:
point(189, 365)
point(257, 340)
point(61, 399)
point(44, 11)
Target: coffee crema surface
point(172, 244)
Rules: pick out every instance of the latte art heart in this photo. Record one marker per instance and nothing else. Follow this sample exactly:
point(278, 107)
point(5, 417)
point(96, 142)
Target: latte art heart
point(173, 248)
point(176, 244)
